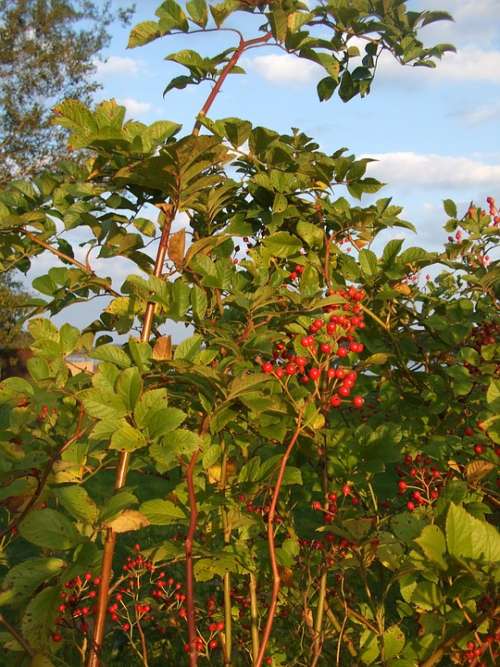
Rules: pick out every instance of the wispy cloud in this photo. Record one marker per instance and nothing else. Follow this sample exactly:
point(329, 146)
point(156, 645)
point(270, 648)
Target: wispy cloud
point(116, 65)
point(481, 114)
point(471, 64)
point(135, 107)
point(286, 69)
point(428, 170)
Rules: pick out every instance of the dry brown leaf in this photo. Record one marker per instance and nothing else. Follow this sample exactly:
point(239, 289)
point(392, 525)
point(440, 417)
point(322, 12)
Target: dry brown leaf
point(476, 470)
point(177, 247)
point(162, 350)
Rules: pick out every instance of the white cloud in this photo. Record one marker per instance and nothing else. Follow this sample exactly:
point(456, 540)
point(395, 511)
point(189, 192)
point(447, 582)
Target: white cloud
point(116, 65)
point(135, 107)
point(286, 69)
point(476, 22)
point(428, 170)
point(469, 64)
point(482, 114)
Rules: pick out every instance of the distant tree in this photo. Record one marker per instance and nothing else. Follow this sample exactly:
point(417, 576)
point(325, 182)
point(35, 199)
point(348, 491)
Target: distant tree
point(48, 50)
point(13, 299)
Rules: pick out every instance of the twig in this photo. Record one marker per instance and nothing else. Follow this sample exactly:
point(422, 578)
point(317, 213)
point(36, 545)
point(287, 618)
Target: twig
point(17, 635)
point(71, 260)
point(272, 549)
point(188, 547)
point(254, 615)
point(338, 627)
point(144, 645)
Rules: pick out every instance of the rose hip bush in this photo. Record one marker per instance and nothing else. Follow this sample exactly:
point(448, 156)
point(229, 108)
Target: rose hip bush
point(308, 478)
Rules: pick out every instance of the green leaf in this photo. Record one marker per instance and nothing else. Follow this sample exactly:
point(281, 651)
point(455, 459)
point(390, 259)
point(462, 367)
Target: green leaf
point(38, 620)
point(189, 348)
point(468, 537)
point(180, 442)
point(143, 33)
point(113, 354)
point(211, 456)
point(280, 203)
point(493, 395)
point(394, 642)
point(41, 660)
point(102, 404)
point(127, 438)
point(326, 87)
point(129, 387)
point(162, 512)
point(49, 529)
point(368, 262)
point(198, 12)
point(22, 580)
point(311, 234)
point(163, 420)
point(15, 388)
point(77, 502)
point(282, 244)
point(151, 400)
point(433, 544)
point(118, 502)
point(199, 302)
point(450, 208)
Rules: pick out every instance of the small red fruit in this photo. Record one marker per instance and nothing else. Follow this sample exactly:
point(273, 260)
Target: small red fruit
point(479, 449)
point(326, 348)
point(344, 391)
point(410, 506)
point(315, 374)
point(342, 352)
point(267, 367)
point(56, 637)
point(358, 401)
point(335, 401)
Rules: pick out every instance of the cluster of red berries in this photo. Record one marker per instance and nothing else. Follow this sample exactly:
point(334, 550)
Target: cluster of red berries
point(326, 342)
point(77, 604)
point(486, 334)
point(201, 644)
point(421, 480)
point(143, 593)
point(330, 506)
point(263, 510)
point(297, 271)
point(475, 650)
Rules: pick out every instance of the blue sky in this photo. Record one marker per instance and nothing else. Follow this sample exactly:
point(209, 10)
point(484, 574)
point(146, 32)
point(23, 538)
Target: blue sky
point(435, 133)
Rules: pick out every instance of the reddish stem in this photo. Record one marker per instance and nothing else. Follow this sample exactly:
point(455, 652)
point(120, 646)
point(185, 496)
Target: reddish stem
point(272, 548)
point(123, 463)
point(227, 69)
point(188, 548)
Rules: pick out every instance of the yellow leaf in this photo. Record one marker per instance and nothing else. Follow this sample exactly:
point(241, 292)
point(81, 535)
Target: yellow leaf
point(402, 288)
point(128, 520)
